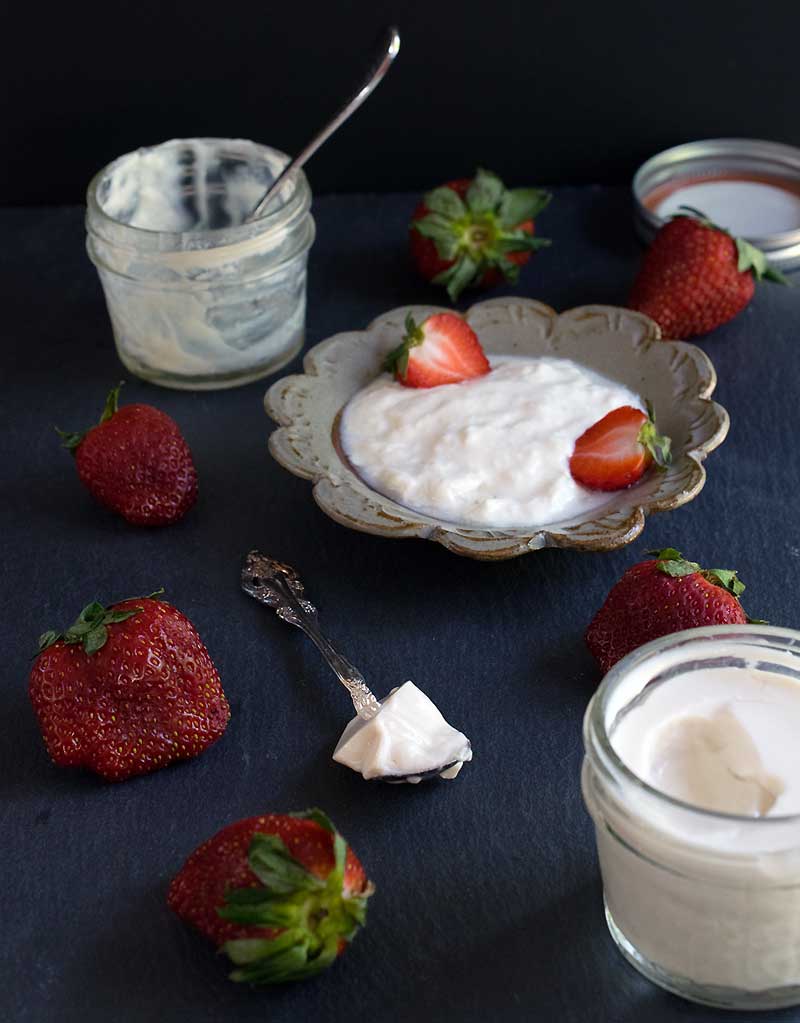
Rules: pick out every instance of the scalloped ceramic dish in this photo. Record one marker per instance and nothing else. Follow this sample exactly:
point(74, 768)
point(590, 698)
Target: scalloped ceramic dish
point(676, 377)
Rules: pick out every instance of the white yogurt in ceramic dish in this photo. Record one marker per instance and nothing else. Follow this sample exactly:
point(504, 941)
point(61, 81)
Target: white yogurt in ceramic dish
point(692, 777)
point(491, 451)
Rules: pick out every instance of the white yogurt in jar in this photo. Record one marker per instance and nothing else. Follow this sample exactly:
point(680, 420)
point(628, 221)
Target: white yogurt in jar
point(491, 451)
point(703, 887)
point(408, 738)
point(728, 740)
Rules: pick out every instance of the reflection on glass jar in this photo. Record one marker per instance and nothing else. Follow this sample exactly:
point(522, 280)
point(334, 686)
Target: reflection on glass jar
point(197, 297)
point(702, 899)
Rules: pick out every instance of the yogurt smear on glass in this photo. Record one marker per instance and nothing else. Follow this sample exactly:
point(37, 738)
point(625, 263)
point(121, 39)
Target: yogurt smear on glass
point(200, 297)
point(406, 739)
point(692, 777)
point(490, 451)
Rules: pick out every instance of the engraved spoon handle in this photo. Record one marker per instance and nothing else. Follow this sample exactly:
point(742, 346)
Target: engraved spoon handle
point(384, 54)
point(278, 586)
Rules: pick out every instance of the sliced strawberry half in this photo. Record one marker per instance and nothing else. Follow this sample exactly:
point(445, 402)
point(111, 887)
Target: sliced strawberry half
point(443, 349)
point(617, 450)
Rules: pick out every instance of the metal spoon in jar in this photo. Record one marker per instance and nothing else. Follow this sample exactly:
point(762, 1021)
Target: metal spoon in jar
point(385, 52)
point(278, 586)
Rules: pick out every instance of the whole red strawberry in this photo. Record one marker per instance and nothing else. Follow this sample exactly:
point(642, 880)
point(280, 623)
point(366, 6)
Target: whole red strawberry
point(474, 231)
point(280, 894)
point(126, 690)
point(695, 276)
point(136, 462)
point(657, 597)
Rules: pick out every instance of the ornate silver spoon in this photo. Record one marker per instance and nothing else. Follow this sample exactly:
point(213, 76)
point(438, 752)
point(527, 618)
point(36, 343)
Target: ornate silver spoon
point(278, 586)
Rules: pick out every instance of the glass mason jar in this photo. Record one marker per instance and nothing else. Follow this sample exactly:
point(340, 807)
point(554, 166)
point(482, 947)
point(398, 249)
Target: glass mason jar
point(198, 298)
point(705, 904)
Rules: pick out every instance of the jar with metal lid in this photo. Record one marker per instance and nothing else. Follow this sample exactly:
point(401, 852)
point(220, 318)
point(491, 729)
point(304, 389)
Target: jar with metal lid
point(198, 297)
point(750, 187)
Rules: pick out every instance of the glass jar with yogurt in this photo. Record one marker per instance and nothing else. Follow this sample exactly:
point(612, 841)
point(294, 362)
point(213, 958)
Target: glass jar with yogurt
point(692, 777)
point(198, 298)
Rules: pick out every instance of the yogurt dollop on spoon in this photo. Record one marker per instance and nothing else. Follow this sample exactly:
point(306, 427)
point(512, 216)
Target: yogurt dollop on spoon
point(408, 739)
point(404, 738)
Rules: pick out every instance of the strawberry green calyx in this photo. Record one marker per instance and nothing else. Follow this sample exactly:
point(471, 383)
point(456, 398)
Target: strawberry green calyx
point(313, 916)
point(112, 402)
point(397, 360)
point(479, 231)
point(673, 563)
point(71, 441)
point(90, 628)
point(753, 259)
point(658, 444)
point(749, 257)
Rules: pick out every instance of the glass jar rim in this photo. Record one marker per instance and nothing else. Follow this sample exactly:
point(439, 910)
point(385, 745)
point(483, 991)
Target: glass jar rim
point(595, 724)
point(296, 204)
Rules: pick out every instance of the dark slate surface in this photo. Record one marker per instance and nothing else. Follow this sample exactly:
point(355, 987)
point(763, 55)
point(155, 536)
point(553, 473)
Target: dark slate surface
point(489, 903)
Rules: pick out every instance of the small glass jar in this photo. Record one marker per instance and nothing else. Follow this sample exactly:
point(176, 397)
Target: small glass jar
point(198, 298)
point(705, 904)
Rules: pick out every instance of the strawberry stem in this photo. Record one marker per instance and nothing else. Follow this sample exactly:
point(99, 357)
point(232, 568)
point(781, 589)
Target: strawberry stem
point(71, 441)
point(658, 444)
point(397, 360)
point(90, 628)
point(112, 402)
point(698, 215)
point(479, 232)
point(313, 915)
point(753, 259)
point(672, 562)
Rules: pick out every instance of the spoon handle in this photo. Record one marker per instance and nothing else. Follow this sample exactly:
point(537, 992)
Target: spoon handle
point(385, 54)
point(278, 586)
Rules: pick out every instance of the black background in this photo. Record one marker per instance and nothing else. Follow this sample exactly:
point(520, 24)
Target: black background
point(541, 92)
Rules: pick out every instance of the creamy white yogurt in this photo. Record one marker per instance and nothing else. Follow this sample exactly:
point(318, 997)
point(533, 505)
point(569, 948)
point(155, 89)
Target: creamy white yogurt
point(408, 737)
point(706, 895)
point(491, 451)
point(149, 187)
point(727, 741)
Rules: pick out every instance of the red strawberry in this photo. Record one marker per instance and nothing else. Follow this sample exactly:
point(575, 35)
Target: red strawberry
point(443, 349)
point(695, 276)
point(281, 895)
point(136, 462)
point(126, 690)
point(616, 451)
point(474, 232)
point(655, 598)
